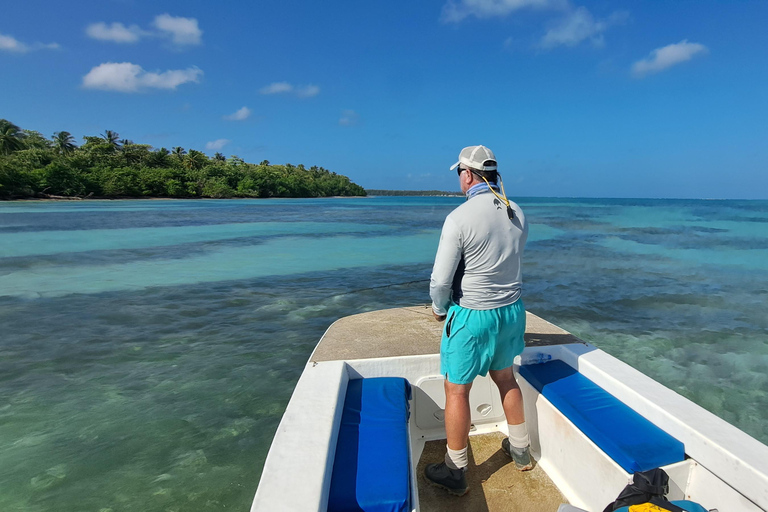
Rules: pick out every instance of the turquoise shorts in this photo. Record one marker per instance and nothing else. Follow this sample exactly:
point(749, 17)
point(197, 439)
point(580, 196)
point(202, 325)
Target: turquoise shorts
point(475, 341)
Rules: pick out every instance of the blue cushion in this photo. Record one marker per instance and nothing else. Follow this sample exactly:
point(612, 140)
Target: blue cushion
point(632, 441)
point(371, 470)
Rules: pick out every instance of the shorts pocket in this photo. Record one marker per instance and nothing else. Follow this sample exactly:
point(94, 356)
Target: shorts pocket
point(449, 322)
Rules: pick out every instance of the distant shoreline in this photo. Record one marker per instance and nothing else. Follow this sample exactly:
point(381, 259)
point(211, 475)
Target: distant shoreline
point(417, 193)
point(154, 198)
point(370, 193)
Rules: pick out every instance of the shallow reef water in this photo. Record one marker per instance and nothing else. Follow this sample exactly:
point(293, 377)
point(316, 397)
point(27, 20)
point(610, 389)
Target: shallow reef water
point(148, 348)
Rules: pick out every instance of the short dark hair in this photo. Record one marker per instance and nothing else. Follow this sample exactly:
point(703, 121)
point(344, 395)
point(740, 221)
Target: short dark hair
point(492, 176)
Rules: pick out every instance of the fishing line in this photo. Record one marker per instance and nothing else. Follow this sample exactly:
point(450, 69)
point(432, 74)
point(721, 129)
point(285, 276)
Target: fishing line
point(380, 287)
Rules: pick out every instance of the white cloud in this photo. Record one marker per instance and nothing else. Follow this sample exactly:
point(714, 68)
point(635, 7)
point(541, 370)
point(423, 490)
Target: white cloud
point(11, 44)
point(183, 31)
point(349, 118)
point(455, 11)
point(127, 77)
point(216, 145)
point(579, 25)
point(241, 115)
point(307, 91)
point(666, 57)
point(302, 91)
point(575, 26)
point(116, 32)
point(277, 88)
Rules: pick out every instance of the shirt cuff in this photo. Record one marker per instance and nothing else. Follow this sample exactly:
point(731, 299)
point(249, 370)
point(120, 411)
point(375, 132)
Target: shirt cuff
point(438, 311)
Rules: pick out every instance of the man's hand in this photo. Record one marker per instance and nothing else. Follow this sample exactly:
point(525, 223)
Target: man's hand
point(439, 318)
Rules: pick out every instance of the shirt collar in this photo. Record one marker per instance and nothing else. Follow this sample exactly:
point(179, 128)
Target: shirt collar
point(479, 188)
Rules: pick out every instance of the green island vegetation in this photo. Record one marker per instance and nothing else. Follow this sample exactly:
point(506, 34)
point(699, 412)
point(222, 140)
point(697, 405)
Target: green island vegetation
point(107, 167)
point(373, 192)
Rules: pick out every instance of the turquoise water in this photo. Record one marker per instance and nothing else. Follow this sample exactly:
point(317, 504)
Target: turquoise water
point(148, 348)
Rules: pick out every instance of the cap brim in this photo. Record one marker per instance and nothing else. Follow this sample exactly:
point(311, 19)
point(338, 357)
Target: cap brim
point(455, 165)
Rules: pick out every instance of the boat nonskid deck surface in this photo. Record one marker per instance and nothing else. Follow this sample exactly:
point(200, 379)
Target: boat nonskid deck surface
point(410, 331)
point(494, 482)
point(724, 467)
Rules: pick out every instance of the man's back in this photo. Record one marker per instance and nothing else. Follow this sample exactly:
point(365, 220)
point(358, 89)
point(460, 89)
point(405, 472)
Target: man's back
point(480, 254)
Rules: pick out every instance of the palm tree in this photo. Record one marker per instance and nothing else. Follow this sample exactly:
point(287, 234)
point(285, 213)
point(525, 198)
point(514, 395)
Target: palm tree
point(219, 157)
point(11, 137)
point(195, 159)
point(157, 158)
point(64, 142)
point(111, 138)
point(179, 152)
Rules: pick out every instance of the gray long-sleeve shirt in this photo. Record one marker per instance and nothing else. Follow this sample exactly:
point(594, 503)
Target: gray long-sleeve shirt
point(478, 262)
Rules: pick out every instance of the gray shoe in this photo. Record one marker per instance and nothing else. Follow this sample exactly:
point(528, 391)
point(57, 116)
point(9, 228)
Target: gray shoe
point(521, 456)
point(452, 480)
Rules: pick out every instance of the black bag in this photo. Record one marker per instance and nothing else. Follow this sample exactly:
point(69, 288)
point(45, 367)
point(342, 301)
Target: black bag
point(649, 486)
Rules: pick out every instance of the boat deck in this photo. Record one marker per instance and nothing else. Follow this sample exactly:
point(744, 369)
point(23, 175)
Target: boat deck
point(409, 331)
point(724, 467)
point(494, 483)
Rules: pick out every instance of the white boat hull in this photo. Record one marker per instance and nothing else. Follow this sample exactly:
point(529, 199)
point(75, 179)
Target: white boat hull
point(725, 468)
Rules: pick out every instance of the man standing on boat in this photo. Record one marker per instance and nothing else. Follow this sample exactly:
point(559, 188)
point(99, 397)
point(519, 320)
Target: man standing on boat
point(476, 284)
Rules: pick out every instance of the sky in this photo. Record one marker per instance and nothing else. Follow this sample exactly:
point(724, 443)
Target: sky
point(576, 99)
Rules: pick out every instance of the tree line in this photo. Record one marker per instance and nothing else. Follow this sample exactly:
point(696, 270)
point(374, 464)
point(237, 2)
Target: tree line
point(106, 166)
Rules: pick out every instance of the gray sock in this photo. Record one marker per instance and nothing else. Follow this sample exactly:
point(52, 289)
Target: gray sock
point(456, 459)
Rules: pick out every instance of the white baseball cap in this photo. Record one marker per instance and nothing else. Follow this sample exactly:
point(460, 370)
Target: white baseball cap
point(479, 158)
